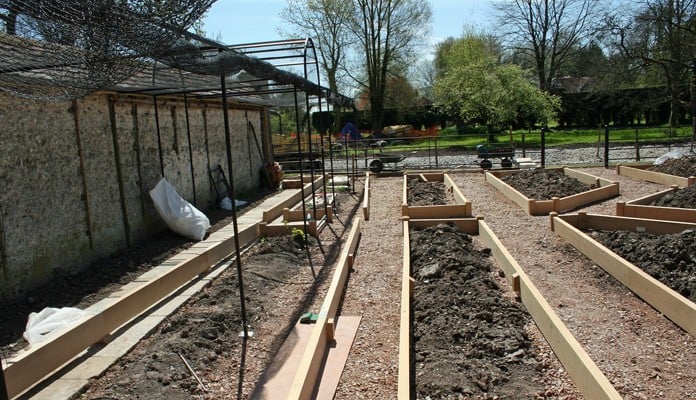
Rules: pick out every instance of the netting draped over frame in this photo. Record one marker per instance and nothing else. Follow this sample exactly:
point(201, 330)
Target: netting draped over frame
point(63, 49)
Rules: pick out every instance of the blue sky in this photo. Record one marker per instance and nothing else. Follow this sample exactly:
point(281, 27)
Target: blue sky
point(248, 21)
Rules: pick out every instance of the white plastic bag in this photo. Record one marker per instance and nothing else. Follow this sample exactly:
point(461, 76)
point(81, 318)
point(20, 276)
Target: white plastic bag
point(48, 320)
point(179, 215)
point(676, 153)
point(226, 203)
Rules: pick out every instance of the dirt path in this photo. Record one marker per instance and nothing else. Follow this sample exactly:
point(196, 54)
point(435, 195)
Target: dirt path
point(644, 355)
point(373, 292)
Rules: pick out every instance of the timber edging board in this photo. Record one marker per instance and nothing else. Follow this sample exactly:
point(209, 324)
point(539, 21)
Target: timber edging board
point(310, 366)
point(642, 208)
point(674, 306)
point(641, 172)
point(605, 189)
point(589, 379)
point(274, 212)
point(462, 208)
point(366, 198)
point(30, 367)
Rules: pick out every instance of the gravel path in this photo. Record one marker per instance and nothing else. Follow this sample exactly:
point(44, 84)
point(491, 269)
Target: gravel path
point(644, 355)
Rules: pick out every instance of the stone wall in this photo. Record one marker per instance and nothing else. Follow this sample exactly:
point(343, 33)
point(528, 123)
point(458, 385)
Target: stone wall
point(75, 176)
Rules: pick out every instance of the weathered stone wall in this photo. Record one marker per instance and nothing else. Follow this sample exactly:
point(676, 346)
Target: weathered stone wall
point(75, 176)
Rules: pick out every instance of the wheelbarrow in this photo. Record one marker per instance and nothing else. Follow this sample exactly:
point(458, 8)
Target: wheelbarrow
point(377, 164)
point(506, 154)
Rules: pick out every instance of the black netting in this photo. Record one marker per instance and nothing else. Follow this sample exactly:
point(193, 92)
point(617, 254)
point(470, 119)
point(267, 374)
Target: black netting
point(62, 49)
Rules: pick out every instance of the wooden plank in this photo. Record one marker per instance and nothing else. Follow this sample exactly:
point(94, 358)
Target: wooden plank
point(274, 212)
point(305, 380)
point(509, 192)
point(641, 172)
point(572, 202)
point(589, 379)
point(674, 306)
point(439, 211)
point(544, 207)
point(366, 198)
point(405, 378)
point(39, 361)
point(584, 372)
point(346, 329)
point(467, 225)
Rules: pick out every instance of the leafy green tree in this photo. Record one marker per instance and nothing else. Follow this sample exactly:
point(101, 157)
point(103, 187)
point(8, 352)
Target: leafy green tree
point(475, 87)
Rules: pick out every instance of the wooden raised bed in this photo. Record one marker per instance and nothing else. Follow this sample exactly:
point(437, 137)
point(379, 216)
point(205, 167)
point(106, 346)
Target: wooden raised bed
point(642, 208)
point(641, 172)
point(462, 208)
point(587, 376)
point(674, 306)
point(606, 189)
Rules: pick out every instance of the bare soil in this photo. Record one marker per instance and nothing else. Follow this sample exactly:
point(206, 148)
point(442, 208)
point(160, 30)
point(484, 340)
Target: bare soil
point(684, 167)
point(542, 184)
point(671, 259)
point(641, 352)
point(680, 198)
point(469, 339)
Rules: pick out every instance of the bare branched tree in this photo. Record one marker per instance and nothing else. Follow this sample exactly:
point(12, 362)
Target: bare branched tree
point(388, 33)
point(661, 35)
point(327, 23)
point(547, 31)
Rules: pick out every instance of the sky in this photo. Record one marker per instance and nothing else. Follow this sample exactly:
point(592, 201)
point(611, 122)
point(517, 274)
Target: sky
point(249, 21)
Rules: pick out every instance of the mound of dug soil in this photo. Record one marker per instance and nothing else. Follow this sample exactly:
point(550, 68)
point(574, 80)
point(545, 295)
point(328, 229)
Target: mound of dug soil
point(671, 259)
point(469, 340)
point(543, 184)
point(207, 331)
point(684, 167)
point(425, 193)
point(680, 198)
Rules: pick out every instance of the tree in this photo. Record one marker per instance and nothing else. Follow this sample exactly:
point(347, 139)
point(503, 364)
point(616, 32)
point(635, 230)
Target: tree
point(387, 32)
point(660, 35)
point(547, 31)
point(327, 23)
point(478, 89)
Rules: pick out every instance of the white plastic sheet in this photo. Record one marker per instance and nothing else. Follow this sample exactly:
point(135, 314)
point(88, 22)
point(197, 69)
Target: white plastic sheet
point(49, 320)
point(179, 215)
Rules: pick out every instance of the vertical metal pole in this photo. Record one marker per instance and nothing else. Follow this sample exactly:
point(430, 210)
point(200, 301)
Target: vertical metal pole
point(3, 385)
point(159, 137)
point(299, 152)
point(543, 147)
point(188, 136)
point(228, 148)
point(637, 147)
point(606, 146)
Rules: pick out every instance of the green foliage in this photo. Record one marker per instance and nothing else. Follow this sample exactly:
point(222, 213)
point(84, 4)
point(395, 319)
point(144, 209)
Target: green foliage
point(478, 90)
point(298, 236)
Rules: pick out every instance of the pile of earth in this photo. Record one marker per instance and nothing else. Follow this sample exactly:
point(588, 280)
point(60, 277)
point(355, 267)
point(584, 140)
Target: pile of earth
point(422, 193)
point(683, 166)
point(468, 339)
point(83, 288)
point(207, 329)
point(544, 184)
point(680, 198)
point(670, 258)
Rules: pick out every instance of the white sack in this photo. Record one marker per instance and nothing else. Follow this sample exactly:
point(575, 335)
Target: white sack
point(674, 154)
point(48, 320)
point(179, 215)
